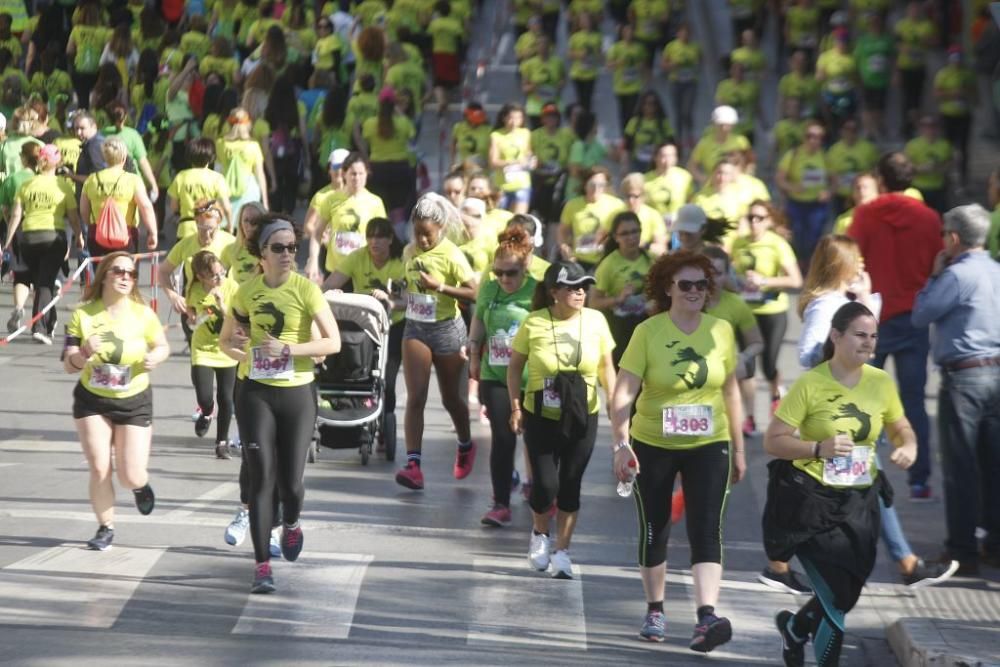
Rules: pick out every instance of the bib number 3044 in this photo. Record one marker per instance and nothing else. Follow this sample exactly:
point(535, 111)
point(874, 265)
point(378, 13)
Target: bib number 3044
point(688, 420)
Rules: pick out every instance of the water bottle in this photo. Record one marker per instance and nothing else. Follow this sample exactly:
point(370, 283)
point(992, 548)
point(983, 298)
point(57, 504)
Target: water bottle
point(625, 488)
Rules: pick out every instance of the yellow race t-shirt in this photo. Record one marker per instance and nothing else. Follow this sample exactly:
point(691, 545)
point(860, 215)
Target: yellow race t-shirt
point(681, 404)
point(734, 310)
point(587, 220)
point(445, 263)
point(184, 251)
point(930, 162)
point(615, 272)
point(209, 314)
point(821, 407)
point(684, 59)
point(115, 369)
point(347, 217)
point(808, 170)
point(585, 52)
point(118, 184)
point(513, 145)
point(366, 277)
point(709, 151)
point(44, 201)
point(847, 161)
point(394, 148)
point(193, 185)
point(668, 192)
point(286, 313)
point(765, 256)
point(554, 345)
point(242, 265)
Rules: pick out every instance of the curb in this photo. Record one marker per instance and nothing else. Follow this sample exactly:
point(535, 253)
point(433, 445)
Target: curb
point(918, 642)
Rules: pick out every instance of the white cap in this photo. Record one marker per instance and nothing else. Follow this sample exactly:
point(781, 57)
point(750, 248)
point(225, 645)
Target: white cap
point(725, 115)
point(338, 156)
point(473, 206)
point(690, 218)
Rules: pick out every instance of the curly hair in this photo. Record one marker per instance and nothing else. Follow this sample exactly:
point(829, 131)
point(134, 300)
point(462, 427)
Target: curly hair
point(371, 44)
point(516, 244)
point(661, 276)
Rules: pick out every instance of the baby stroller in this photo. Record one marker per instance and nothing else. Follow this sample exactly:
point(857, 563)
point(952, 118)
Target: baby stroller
point(351, 383)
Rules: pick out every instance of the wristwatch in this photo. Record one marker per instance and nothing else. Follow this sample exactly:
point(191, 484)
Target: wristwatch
point(624, 444)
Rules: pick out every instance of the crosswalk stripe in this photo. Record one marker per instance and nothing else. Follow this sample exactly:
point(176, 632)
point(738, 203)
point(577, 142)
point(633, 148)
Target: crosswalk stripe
point(73, 587)
point(204, 501)
point(316, 598)
point(515, 605)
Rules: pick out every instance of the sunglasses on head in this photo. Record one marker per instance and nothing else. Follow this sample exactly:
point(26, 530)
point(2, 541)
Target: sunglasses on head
point(688, 285)
point(120, 272)
point(207, 208)
point(506, 273)
point(279, 248)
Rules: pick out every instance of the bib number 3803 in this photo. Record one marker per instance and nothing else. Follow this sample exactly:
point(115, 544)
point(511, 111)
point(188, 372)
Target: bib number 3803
point(688, 420)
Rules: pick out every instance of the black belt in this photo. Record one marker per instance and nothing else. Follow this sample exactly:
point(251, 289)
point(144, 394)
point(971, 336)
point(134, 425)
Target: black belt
point(973, 363)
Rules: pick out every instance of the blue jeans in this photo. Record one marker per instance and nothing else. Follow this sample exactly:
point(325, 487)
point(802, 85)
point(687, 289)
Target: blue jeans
point(808, 219)
point(909, 347)
point(969, 428)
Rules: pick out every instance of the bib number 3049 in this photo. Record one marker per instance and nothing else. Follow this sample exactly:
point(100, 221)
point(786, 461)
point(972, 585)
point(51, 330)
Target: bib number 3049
point(688, 420)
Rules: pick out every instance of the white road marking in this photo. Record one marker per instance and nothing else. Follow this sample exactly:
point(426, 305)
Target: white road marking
point(516, 605)
point(28, 444)
point(204, 501)
point(316, 598)
point(72, 586)
point(7, 465)
point(502, 48)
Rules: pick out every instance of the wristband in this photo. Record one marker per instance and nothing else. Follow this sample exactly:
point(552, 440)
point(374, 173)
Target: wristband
point(816, 450)
point(513, 410)
point(621, 445)
point(286, 351)
point(440, 287)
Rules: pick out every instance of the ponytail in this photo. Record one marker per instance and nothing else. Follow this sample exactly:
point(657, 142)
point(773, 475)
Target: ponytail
point(842, 319)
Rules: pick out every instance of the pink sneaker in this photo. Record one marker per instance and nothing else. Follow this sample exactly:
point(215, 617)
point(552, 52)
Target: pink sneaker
point(464, 462)
point(411, 476)
point(499, 516)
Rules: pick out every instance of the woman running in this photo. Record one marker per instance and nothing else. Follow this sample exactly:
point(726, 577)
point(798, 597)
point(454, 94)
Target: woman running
point(378, 270)
point(620, 278)
point(242, 163)
point(511, 158)
point(687, 422)
point(824, 486)
point(113, 340)
point(208, 299)
point(583, 222)
point(42, 206)
point(437, 275)
point(566, 350)
point(501, 306)
point(268, 325)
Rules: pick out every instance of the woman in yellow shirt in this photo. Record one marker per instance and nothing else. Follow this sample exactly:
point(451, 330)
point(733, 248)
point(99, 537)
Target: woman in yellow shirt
point(806, 181)
point(385, 139)
point(511, 158)
point(583, 224)
point(128, 194)
point(242, 162)
point(566, 349)
point(114, 340)
point(437, 275)
point(686, 421)
point(824, 484)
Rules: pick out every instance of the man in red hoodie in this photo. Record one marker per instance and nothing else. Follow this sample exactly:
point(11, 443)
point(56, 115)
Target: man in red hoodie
point(899, 238)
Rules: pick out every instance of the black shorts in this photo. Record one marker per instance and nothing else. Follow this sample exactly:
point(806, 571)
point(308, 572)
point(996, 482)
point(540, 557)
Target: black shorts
point(132, 411)
point(873, 99)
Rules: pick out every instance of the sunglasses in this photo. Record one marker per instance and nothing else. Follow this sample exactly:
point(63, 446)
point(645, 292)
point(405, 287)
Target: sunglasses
point(279, 248)
point(758, 218)
point(688, 285)
point(119, 272)
point(573, 288)
point(506, 273)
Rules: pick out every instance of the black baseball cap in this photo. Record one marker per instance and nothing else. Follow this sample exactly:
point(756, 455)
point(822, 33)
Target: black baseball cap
point(567, 274)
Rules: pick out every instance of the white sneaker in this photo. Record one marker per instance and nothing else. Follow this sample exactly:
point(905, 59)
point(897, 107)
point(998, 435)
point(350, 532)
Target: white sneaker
point(538, 552)
point(41, 338)
point(275, 546)
point(237, 529)
point(562, 566)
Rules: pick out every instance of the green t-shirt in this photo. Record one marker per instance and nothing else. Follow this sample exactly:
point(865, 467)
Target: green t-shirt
point(615, 272)
point(446, 34)
point(803, 87)
point(743, 97)
point(585, 55)
point(584, 154)
point(681, 405)
point(547, 76)
point(788, 133)
point(914, 41)
point(645, 136)
point(821, 407)
point(501, 314)
point(471, 142)
point(809, 170)
point(551, 149)
point(839, 68)
point(951, 80)
point(873, 53)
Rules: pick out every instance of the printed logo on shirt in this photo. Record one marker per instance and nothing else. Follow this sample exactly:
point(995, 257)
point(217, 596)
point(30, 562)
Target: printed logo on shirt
point(269, 309)
point(694, 378)
point(852, 411)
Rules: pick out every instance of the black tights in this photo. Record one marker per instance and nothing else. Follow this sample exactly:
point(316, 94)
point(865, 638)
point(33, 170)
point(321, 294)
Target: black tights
point(557, 465)
point(276, 426)
point(704, 475)
point(225, 379)
point(772, 330)
point(823, 616)
point(493, 396)
point(44, 260)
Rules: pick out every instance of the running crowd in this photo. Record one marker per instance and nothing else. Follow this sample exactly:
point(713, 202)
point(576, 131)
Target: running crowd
point(551, 264)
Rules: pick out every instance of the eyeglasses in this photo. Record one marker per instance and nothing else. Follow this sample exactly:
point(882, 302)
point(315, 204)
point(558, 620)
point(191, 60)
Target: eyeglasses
point(688, 285)
point(628, 232)
point(758, 218)
point(506, 273)
point(119, 272)
point(279, 248)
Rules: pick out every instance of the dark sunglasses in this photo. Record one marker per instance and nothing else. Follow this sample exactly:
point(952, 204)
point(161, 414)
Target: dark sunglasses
point(279, 248)
point(506, 273)
point(758, 218)
point(688, 285)
point(119, 272)
point(574, 288)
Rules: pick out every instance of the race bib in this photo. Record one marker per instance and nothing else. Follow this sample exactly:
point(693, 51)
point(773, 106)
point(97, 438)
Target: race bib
point(752, 296)
point(546, 93)
point(644, 154)
point(348, 242)
point(421, 307)
point(853, 470)
point(587, 245)
point(840, 84)
point(549, 168)
point(263, 367)
point(685, 74)
point(550, 397)
point(633, 306)
point(500, 350)
point(813, 177)
point(110, 377)
point(630, 75)
point(878, 63)
point(688, 420)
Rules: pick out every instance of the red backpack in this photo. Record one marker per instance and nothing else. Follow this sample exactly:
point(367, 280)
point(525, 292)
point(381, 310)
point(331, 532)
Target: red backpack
point(111, 230)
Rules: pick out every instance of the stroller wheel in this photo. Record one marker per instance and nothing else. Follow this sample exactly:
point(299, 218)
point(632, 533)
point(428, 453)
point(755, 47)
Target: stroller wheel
point(389, 436)
point(366, 452)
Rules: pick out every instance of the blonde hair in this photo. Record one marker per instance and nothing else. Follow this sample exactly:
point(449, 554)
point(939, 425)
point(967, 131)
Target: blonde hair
point(240, 124)
point(633, 180)
point(25, 120)
point(836, 260)
point(114, 151)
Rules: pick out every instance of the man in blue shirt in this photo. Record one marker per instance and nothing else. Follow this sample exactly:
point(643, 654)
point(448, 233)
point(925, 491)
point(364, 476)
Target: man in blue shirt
point(962, 301)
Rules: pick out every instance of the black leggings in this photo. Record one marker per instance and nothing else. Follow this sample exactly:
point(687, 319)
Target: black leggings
point(83, 83)
point(704, 475)
point(626, 107)
point(503, 442)
point(912, 81)
point(957, 130)
point(772, 330)
point(824, 615)
point(225, 379)
point(584, 92)
point(285, 189)
point(557, 465)
point(393, 361)
point(276, 426)
point(43, 261)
